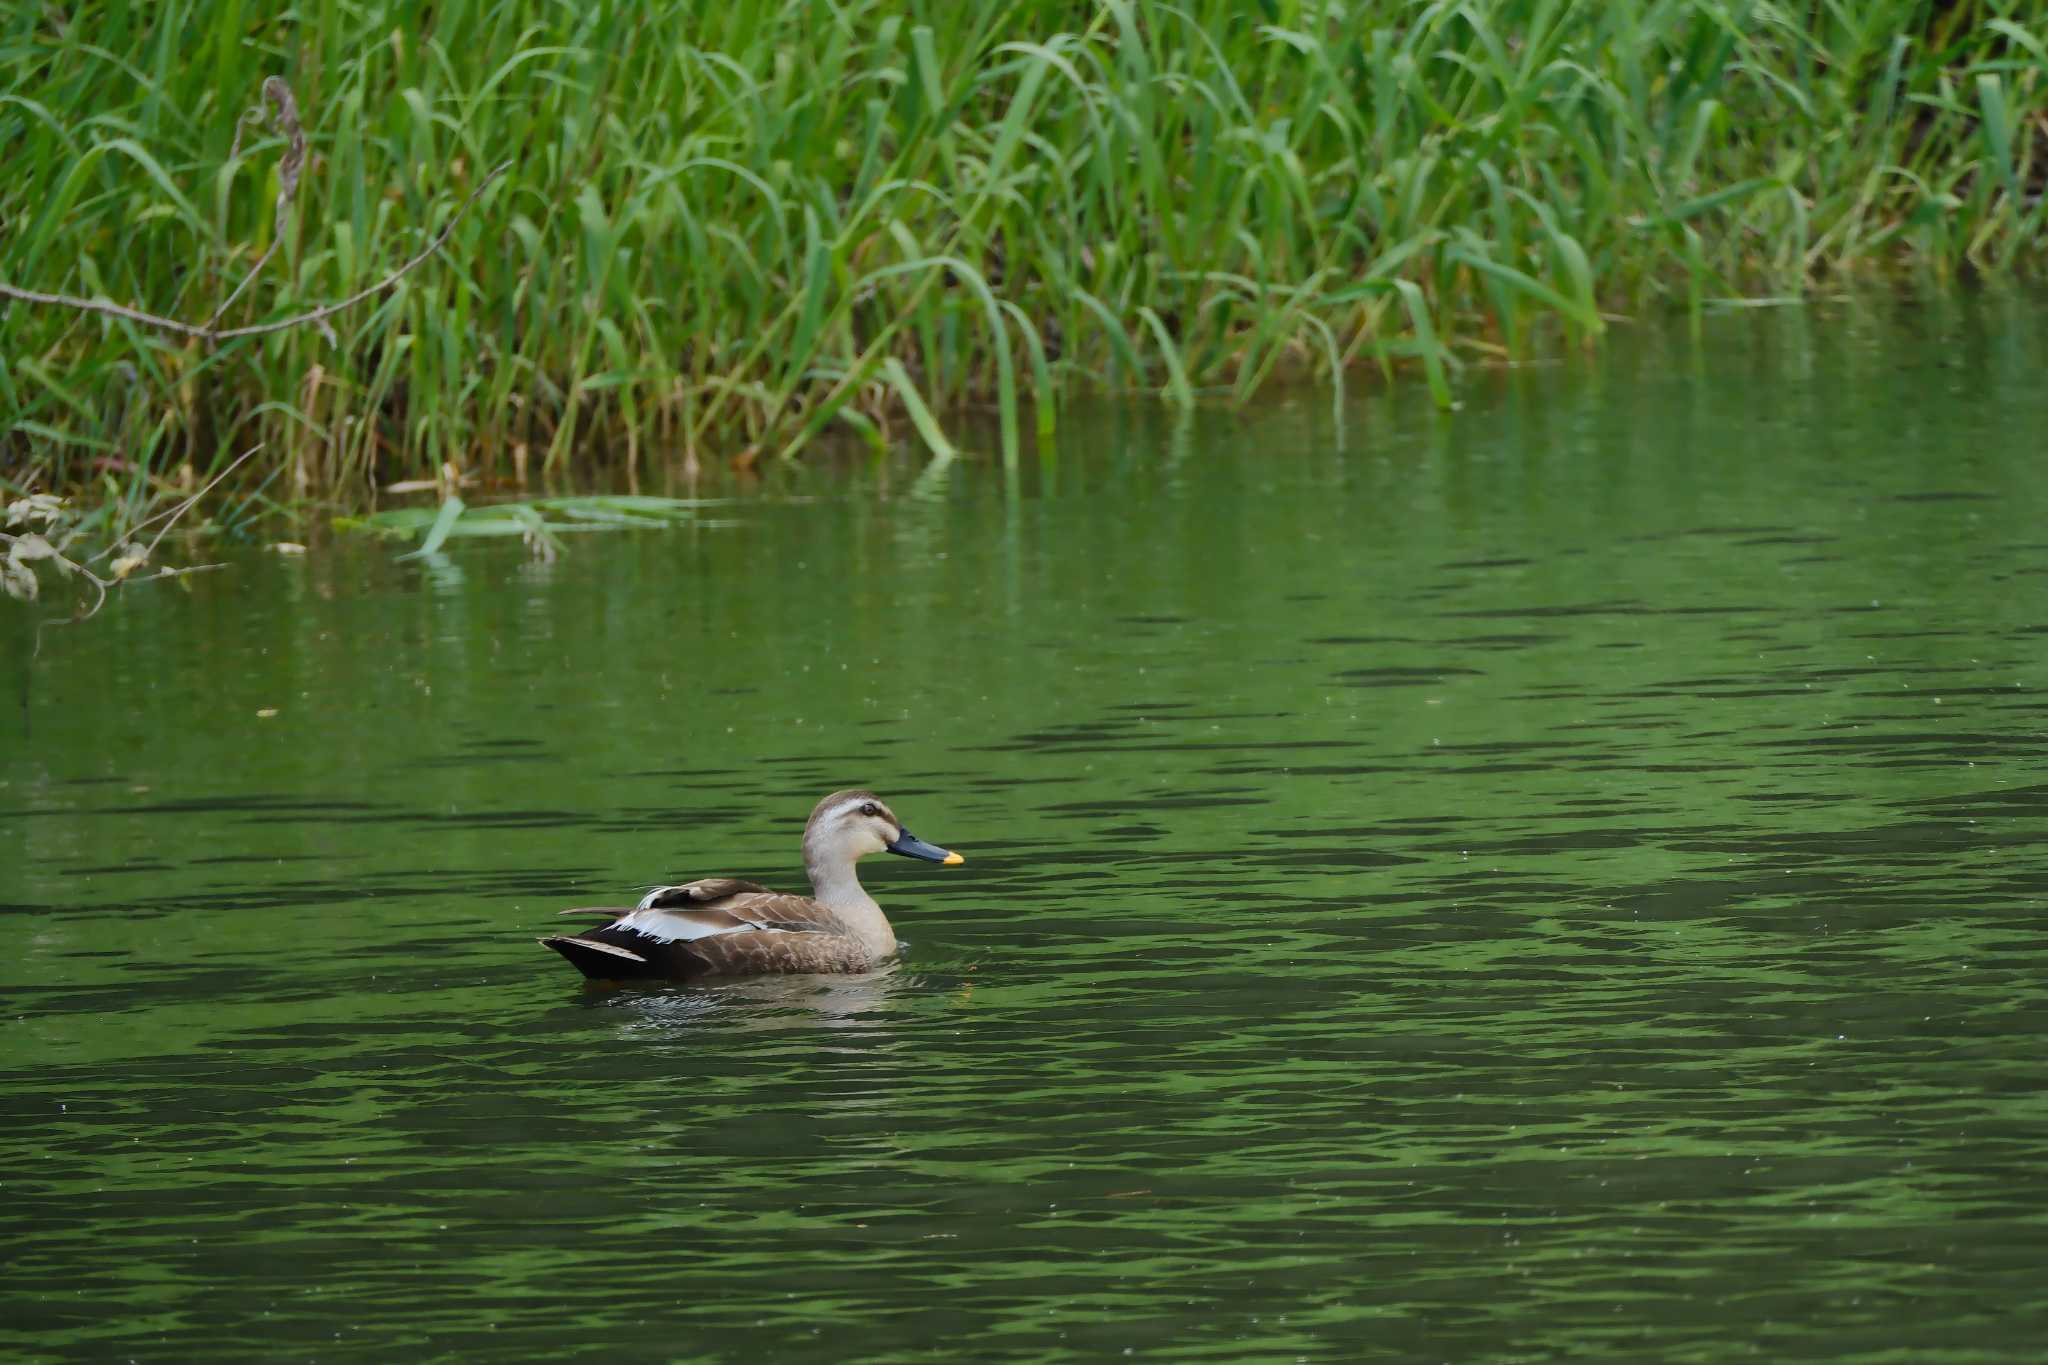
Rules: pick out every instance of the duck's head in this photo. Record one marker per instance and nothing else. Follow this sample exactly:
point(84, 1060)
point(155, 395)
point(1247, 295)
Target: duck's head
point(852, 824)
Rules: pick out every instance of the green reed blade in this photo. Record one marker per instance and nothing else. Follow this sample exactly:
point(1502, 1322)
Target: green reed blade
point(437, 533)
point(1177, 388)
point(1427, 346)
point(920, 415)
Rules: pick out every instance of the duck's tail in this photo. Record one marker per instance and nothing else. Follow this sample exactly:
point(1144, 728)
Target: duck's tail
point(600, 961)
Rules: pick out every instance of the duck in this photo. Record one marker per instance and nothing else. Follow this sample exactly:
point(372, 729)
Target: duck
point(723, 926)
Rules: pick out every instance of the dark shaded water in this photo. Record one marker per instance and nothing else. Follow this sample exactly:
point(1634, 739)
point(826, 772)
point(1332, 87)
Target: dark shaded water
point(1564, 881)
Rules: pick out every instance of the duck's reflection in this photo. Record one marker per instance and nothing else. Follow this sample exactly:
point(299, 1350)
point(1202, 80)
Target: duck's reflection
point(859, 1002)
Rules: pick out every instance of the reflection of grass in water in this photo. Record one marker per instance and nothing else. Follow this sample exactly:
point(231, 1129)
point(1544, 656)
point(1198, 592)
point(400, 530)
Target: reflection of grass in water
point(735, 231)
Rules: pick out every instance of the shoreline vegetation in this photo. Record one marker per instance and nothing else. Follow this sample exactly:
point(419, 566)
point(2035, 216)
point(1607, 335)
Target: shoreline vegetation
point(730, 231)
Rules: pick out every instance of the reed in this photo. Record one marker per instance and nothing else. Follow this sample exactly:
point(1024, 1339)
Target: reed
point(729, 230)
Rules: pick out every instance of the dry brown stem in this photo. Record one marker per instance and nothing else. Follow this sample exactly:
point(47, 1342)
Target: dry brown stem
point(289, 165)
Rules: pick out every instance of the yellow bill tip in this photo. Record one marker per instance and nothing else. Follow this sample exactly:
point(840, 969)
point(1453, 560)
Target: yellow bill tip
point(953, 860)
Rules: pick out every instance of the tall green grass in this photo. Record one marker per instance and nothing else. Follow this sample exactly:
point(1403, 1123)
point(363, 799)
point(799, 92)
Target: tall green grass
point(731, 229)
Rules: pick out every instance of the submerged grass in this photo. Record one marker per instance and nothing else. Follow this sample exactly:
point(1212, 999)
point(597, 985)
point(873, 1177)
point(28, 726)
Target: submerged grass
point(540, 522)
point(731, 229)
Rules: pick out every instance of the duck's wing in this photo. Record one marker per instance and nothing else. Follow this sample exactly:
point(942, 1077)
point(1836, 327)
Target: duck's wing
point(607, 954)
point(715, 894)
point(744, 900)
point(779, 910)
point(708, 891)
point(717, 926)
point(645, 944)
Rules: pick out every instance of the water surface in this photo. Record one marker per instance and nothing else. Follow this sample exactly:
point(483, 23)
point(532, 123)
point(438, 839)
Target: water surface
point(1566, 880)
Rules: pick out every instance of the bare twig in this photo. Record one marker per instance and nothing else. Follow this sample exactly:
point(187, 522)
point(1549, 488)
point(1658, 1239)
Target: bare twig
point(177, 510)
point(101, 584)
point(105, 585)
point(112, 310)
point(329, 310)
point(210, 333)
point(172, 573)
point(26, 549)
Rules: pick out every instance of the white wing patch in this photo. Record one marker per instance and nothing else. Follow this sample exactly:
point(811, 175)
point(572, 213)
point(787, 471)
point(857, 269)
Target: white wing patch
point(672, 926)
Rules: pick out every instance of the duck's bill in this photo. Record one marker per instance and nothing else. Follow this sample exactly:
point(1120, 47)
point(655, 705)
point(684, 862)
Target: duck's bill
point(910, 846)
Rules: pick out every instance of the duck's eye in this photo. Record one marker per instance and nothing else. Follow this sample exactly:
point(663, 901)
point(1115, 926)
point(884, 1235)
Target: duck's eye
point(870, 808)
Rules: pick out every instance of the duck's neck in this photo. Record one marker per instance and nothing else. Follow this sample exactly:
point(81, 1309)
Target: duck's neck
point(836, 886)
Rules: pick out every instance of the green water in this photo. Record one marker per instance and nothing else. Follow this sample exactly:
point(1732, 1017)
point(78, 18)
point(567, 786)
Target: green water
point(1564, 881)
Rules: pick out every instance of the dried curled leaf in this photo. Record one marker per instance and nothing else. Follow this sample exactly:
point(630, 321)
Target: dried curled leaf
point(131, 558)
point(18, 580)
point(289, 165)
point(28, 549)
point(294, 158)
point(36, 507)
